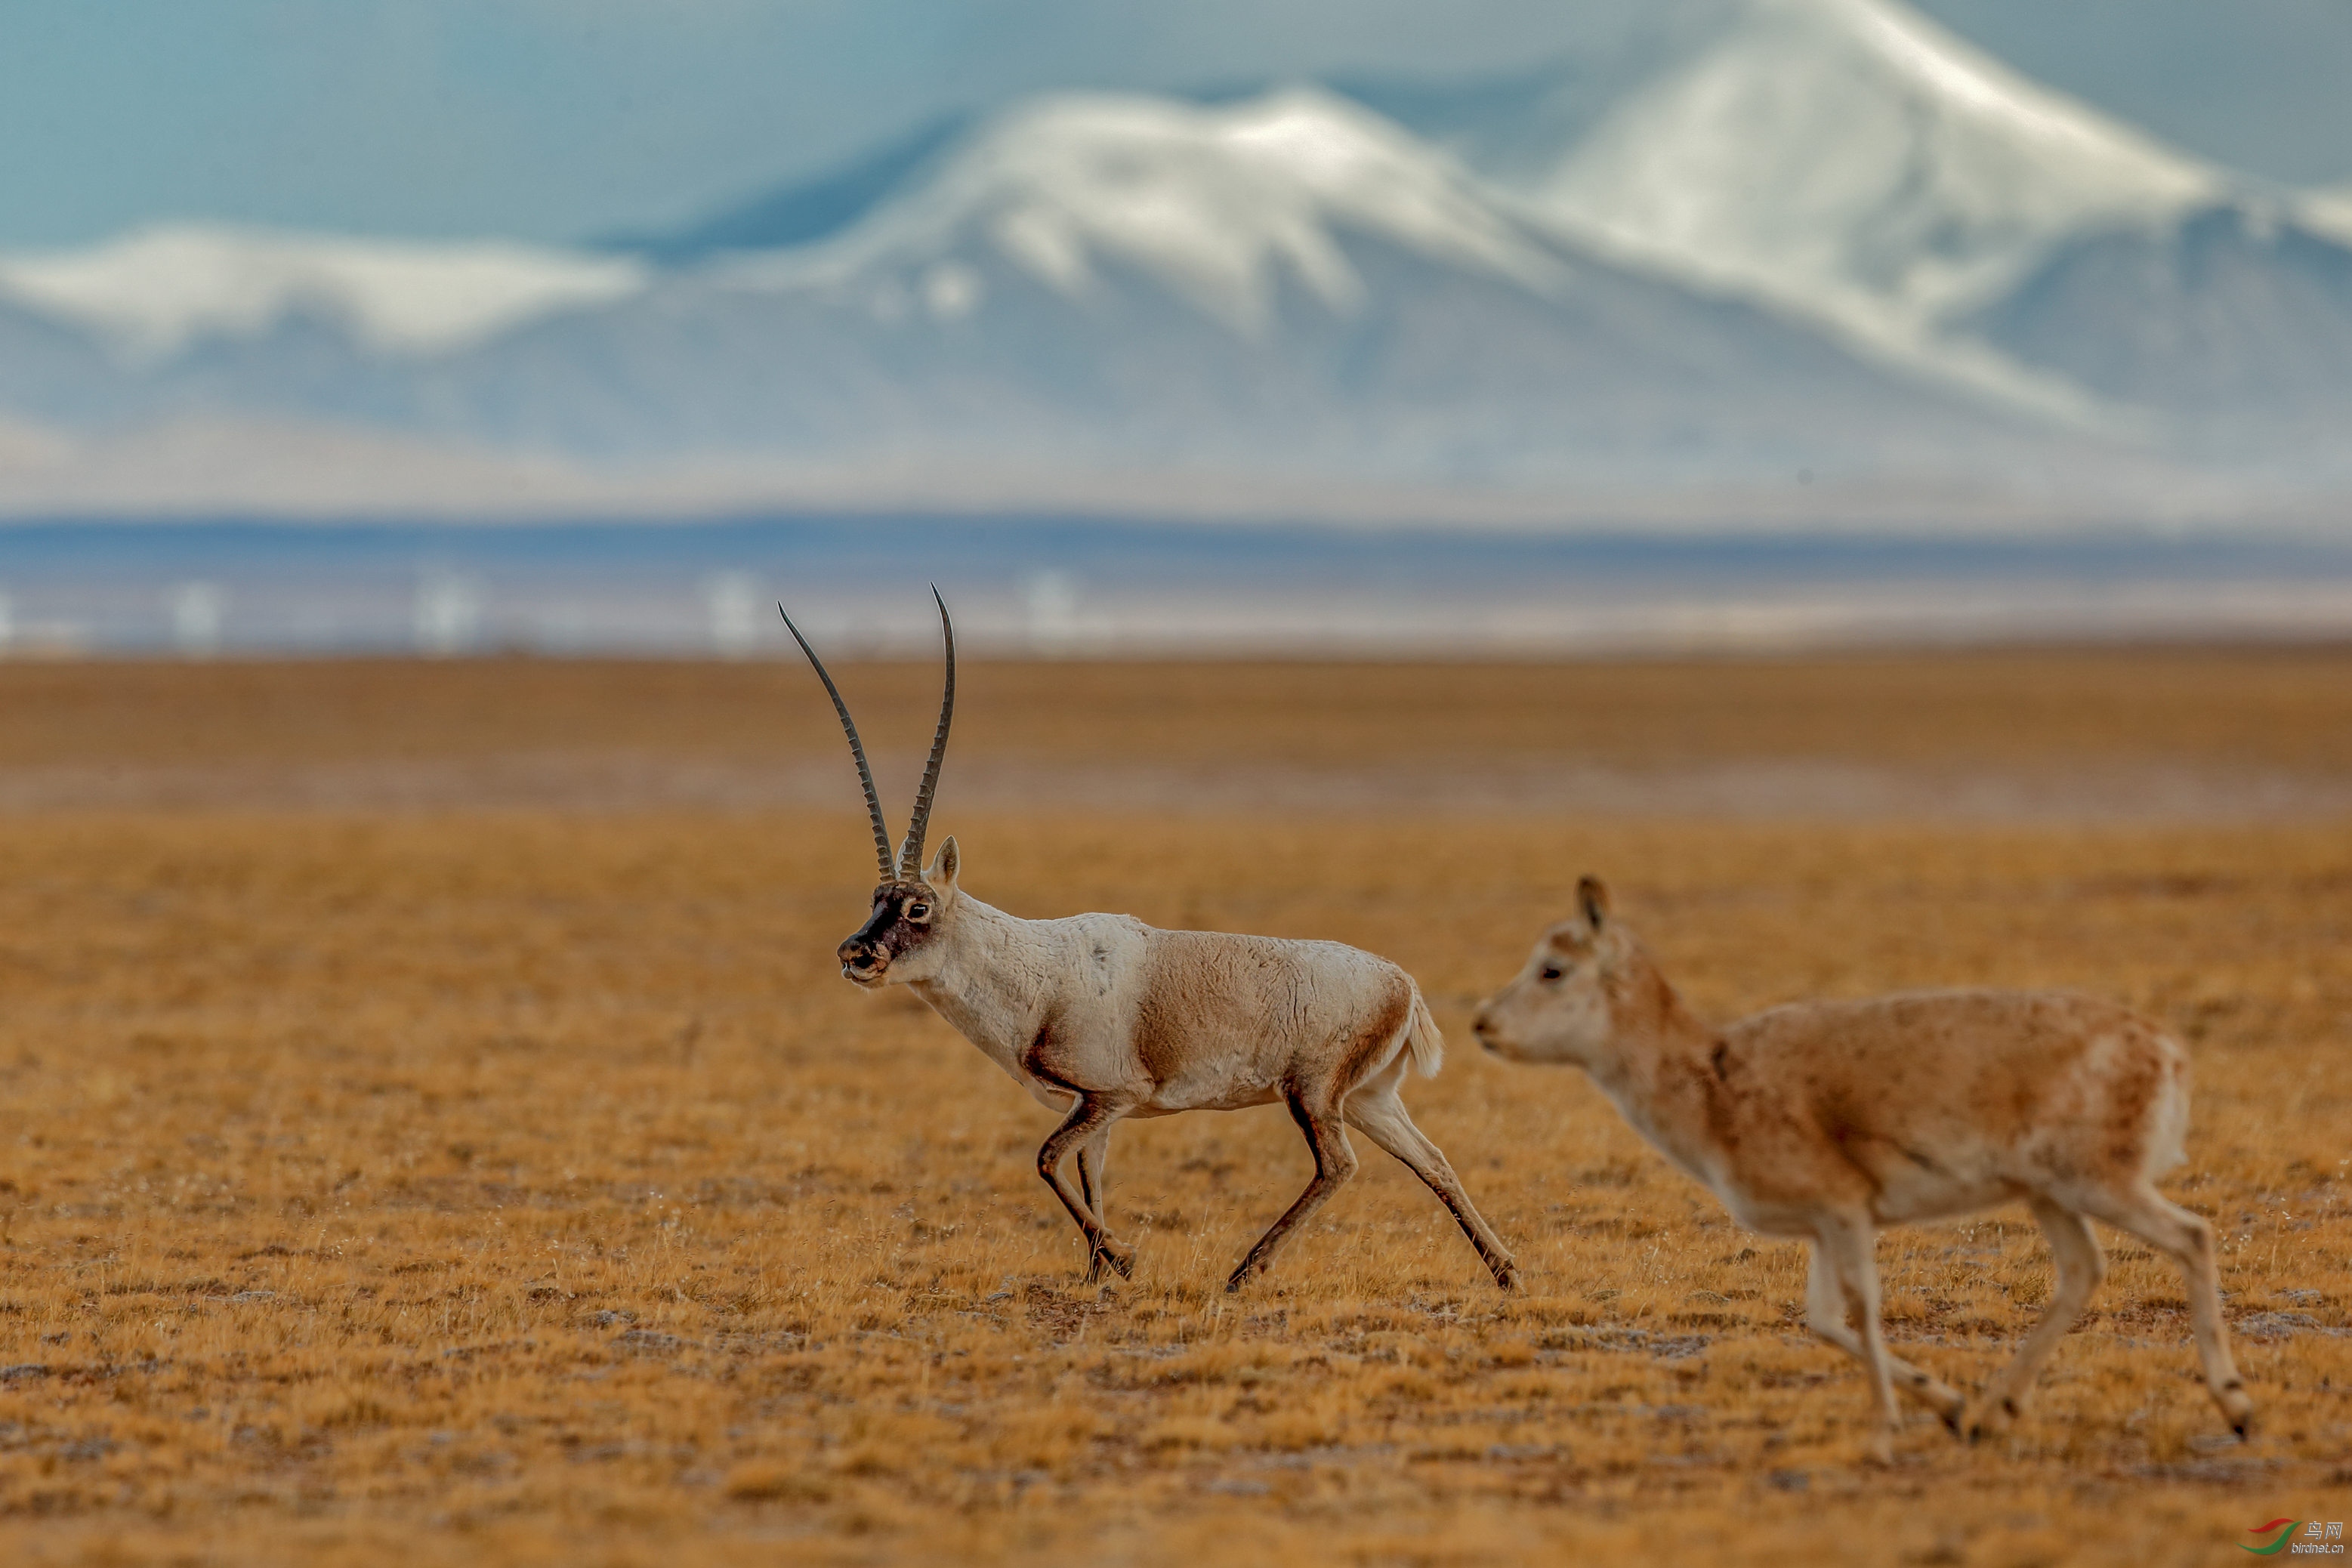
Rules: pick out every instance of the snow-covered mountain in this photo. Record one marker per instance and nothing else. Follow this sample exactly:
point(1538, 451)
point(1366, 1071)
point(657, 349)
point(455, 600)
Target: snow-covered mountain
point(157, 292)
point(1261, 298)
point(1851, 158)
point(1815, 259)
point(1277, 289)
point(1219, 205)
point(2329, 211)
point(1853, 163)
point(2231, 323)
point(800, 212)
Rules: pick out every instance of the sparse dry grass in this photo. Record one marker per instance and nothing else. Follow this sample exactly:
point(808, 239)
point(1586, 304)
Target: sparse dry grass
point(525, 1187)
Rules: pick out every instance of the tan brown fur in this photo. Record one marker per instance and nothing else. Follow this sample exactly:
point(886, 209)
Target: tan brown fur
point(1829, 1119)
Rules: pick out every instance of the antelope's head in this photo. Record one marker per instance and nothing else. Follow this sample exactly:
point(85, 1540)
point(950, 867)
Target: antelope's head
point(915, 906)
point(902, 940)
point(1559, 1007)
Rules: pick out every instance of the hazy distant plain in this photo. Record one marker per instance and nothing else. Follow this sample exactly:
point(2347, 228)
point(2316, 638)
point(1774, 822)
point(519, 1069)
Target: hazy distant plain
point(1081, 586)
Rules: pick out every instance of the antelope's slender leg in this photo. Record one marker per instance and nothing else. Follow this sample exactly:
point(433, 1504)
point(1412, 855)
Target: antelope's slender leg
point(1376, 1108)
point(1826, 1309)
point(1094, 1155)
point(1089, 1116)
point(1335, 1162)
point(2189, 1241)
point(1847, 1240)
point(2078, 1265)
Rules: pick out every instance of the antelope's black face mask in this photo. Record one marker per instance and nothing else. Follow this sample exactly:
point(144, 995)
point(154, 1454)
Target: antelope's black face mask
point(904, 917)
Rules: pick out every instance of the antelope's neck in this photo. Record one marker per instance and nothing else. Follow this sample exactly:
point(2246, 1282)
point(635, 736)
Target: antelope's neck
point(1664, 1076)
point(995, 982)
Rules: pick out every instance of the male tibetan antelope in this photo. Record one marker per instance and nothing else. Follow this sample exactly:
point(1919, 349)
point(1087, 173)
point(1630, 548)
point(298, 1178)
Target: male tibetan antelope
point(1109, 1017)
point(1828, 1120)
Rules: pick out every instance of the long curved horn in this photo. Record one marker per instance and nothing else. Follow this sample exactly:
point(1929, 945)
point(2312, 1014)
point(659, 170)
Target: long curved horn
point(910, 853)
point(856, 749)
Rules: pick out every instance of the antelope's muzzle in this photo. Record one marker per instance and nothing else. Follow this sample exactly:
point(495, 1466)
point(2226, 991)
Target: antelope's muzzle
point(863, 961)
point(866, 952)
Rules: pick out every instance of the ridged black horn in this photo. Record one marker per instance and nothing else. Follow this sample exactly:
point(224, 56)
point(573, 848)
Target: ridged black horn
point(910, 854)
point(856, 749)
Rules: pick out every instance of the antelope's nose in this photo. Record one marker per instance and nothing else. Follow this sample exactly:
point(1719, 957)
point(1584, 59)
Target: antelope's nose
point(861, 960)
point(1483, 1027)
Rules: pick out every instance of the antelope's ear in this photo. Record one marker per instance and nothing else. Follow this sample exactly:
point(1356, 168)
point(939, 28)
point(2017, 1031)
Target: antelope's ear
point(941, 873)
point(1592, 899)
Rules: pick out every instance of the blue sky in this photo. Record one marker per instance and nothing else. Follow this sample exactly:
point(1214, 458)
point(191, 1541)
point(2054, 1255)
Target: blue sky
point(559, 119)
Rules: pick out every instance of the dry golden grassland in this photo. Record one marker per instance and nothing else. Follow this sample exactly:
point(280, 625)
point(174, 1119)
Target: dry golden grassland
point(406, 1174)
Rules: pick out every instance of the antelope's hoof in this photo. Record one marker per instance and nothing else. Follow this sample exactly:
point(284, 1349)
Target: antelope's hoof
point(1120, 1259)
point(2239, 1409)
point(1948, 1403)
point(1880, 1448)
point(1506, 1277)
point(1992, 1420)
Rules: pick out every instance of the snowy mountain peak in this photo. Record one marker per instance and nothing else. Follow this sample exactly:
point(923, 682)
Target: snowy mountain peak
point(1217, 202)
point(154, 293)
point(1851, 159)
point(2329, 211)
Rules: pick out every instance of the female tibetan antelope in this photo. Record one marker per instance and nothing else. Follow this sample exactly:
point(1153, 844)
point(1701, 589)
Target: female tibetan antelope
point(1106, 1017)
point(1828, 1120)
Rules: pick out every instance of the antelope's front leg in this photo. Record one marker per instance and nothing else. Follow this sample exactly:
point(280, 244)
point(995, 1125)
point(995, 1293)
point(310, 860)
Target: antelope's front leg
point(1089, 1115)
point(1846, 1241)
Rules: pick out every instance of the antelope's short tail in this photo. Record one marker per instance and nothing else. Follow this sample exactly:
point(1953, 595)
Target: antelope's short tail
point(1422, 1038)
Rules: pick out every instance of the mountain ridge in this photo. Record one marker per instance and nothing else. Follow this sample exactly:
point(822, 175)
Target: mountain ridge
point(1266, 293)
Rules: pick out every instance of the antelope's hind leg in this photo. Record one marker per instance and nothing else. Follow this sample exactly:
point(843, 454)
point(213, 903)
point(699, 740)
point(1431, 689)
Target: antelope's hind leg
point(1094, 1167)
point(1826, 1312)
point(2079, 1265)
point(1335, 1162)
point(1090, 1117)
point(2189, 1241)
point(1376, 1108)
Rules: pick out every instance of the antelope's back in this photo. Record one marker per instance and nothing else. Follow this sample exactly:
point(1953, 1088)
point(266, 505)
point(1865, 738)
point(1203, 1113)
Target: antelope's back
point(1980, 1075)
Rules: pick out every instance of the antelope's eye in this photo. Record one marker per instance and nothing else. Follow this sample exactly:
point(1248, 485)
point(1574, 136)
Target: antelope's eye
point(1551, 972)
point(919, 911)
